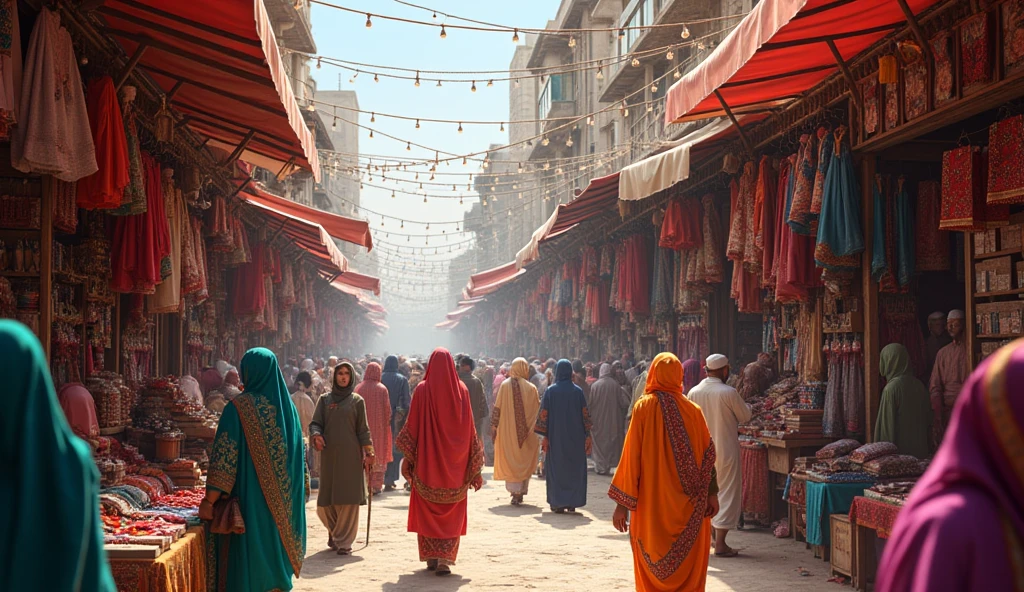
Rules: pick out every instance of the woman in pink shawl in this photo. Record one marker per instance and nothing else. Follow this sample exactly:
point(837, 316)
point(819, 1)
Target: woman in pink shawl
point(80, 409)
point(692, 374)
point(378, 416)
point(961, 529)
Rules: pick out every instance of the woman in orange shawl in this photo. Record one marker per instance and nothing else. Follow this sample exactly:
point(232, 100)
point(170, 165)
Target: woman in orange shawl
point(443, 459)
point(666, 479)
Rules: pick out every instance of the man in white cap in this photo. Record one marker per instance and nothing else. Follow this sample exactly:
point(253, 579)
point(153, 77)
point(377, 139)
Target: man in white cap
point(948, 374)
point(938, 338)
point(724, 410)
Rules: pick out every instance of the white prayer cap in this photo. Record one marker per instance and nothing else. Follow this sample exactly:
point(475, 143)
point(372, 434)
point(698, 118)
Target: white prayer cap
point(937, 316)
point(955, 314)
point(716, 361)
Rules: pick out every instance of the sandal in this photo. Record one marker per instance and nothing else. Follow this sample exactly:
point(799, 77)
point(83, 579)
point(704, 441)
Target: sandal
point(330, 543)
point(558, 510)
point(727, 554)
point(344, 551)
point(431, 564)
point(443, 570)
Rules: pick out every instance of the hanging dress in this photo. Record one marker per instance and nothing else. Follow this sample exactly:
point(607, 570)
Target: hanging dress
point(801, 217)
point(104, 189)
point(168, 293)
point(840, 241)
point(134, 197)
point(53, 136)
point(10, 67)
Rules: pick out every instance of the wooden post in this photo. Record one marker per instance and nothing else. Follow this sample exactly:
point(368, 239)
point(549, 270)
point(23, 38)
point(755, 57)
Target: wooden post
point(240, 148)
point(969, 284)
point(141, 49)
point(872, 382)
point(854, 92)
point(926, 45)
point(743, 135)
point(46, 262)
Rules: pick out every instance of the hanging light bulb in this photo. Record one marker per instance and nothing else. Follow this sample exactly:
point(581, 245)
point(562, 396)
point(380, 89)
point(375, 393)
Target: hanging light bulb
point(600, 72)
point(403, 224)
point(460, 203)
point(685, 33)
point(650, 107)
point(373, 118)
point(334, 124)
point(318, 63)
point(490, 83)
point(371, 134)
point(654, 88)
point(700, 46)
point(622, 33)
point(502, 128)
point(677, 74)
point(590, 120)
point(545, 142)
point(473, 87)
point(369, 23)
point(311, 107)
point(515, 36)
point(417, 83)
point(438, 83)
point(568, 142)
point(453, 187)
point(670, 55)
point(572, 42)
point(635, 63)
point(392, 194)
point(434, 16)
point(558, 171)
point(428, 225)
point(382, 221)
point(417, 124)
point(519, 168)
point(443, 34)
point(424, 199)
point(408, 146)
point(520, 195)
point(460, 127)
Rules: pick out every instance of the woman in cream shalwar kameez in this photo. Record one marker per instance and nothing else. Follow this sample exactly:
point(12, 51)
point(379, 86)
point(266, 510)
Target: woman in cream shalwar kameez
point(516, 446)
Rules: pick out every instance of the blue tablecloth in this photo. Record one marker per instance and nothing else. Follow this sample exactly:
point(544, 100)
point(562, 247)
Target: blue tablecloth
point(825, 499)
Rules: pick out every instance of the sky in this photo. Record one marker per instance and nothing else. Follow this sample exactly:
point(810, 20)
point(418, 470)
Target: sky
point(419, 303)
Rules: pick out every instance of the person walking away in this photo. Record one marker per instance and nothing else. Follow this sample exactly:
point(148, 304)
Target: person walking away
point(50, 518)
point(513, 419)
point(339, 429)
point(257, 457)
point(608, 404)
point(398, 394)
point(537, 378)
point(477, 399)
point(378, 417)
point(962, 528)
point(305, 406)
point(724, 410)
point(443, 459)
point(904, 414)
point(564, 423)
point(665, 488)
point(948, 375)
point(639, 385)
point(579, 377)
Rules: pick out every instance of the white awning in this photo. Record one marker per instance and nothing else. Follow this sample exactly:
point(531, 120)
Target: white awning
point(661, 171)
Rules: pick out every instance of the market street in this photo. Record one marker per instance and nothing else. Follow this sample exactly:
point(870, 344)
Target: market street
point(531, 548)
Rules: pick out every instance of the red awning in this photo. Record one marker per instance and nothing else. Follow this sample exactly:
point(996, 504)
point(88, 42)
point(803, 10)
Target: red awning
point(469, 301)
point(349, 230)
point(371, 306)
point(359, 281)
point(491, 275)
point(309, 236)
point(459, 313)
point(446, 325)
point(600, 196)
point(779, 51)
point(232, 81)
point(485, 289)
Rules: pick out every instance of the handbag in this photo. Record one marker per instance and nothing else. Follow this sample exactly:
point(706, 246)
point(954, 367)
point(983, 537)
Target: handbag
point(227, 517)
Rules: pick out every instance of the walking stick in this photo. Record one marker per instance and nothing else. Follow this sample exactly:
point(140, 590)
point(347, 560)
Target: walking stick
point(369, 505)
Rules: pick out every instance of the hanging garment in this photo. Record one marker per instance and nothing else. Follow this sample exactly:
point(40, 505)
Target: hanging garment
point(833, 424)
point(168, 293)
point(1006, 161)
point(932, 243)
point(748, 185)
point(249, 291)
point(141, 242)
point(104, 189)
point(712, 243)
point(134, 197)
point(826, 146)
point(785, 289)
point(964, 180)
point(801, 219)
point(879, 257)
point(765, 208)
point(737, 225)
point(904, 236)
point(840, 241)
point(10, 67)
point(53, 135)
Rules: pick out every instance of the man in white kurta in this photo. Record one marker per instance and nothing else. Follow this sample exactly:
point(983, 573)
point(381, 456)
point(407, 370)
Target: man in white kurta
point(724, 410)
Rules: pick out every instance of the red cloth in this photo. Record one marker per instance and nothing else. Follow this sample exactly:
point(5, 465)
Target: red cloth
point(104, 189)
point(754, 463)
point(141, 242)
point(1006, 161)
point(964, 181)
point(765, 206)
point(932, 243)
point(874, 514)
point(250, 295)
point(443, 456)
point(378, 415)
point(682, 227)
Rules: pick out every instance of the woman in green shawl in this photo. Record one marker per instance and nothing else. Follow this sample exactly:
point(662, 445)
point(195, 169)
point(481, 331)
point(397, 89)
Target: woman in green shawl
point(258, 457)
point(51, 537)
point(904, 414)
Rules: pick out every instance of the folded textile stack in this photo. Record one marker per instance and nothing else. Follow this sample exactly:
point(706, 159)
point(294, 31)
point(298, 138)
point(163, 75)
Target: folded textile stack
point(869, 452)
point(806, 422)
point(894, 466)
point(838, 448)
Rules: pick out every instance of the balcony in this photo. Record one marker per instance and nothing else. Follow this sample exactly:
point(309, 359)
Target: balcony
point(623, 78)
point(291, 24)
point(557, 102)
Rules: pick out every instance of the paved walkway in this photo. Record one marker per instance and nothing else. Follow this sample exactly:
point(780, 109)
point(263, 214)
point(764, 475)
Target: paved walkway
point(531, 548)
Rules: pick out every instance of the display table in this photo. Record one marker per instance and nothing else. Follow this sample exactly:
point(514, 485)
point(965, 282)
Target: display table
point(870, 519)
point(825, 499)
point(782, 455)
point(182, 568)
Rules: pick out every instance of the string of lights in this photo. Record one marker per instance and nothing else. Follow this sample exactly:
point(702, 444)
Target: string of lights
point(395, 163)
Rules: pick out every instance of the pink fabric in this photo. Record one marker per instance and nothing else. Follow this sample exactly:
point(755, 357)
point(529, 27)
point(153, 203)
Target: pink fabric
point(378, 415)
point(190, 387)
point(960, 530)
point(80, 409)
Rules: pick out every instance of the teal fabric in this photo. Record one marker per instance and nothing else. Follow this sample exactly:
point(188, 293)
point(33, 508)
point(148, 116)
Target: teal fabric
point(825, 499)
point(839, 225)
point(904, 235)
point(270, 551)
point(51, 537)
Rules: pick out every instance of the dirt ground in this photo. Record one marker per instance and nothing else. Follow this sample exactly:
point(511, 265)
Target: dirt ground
point(531, 548)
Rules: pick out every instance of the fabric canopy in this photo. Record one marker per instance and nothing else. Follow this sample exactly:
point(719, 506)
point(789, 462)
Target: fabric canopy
point(494, 278)
point(599, 196)
point(360, 281)
point(371, 306)
point(459, 313)
point(346, 229)
point(779, 51)
point(223, 60)
point(661, 171)
point(309, 236)
point(469, 301)
point(446, 325)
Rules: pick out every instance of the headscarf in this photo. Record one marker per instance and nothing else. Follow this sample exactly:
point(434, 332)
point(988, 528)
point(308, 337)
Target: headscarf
point(222, 368)
point(439, 435)
point(80, 409)
point(372, 373)
point(894, 361)
point(691, 374)
point(190, 388)
point(210, 380)
point(265, 383)
point(232, 379)
point(338, 393)
point(979, 465)
point(521, 369)
point(606, 371)
point(307, 365)
point(51, 537)
point(391, 364)
point(665, 375)
point(563, 371)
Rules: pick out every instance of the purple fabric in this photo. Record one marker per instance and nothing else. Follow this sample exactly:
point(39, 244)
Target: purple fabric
point(964, 520)
point(691, 374)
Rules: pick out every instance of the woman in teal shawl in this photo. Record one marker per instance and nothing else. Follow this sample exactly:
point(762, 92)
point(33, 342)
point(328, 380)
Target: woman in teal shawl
point(258, 457)
point(50, 532)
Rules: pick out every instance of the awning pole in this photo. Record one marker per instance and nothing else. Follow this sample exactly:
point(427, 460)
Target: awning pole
point(287, 165)
point(141, 49)
point(240, 148)
point(854, 92)
point(174, 90)
point(732, 117)
point(240, 187)
point(926, 47)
